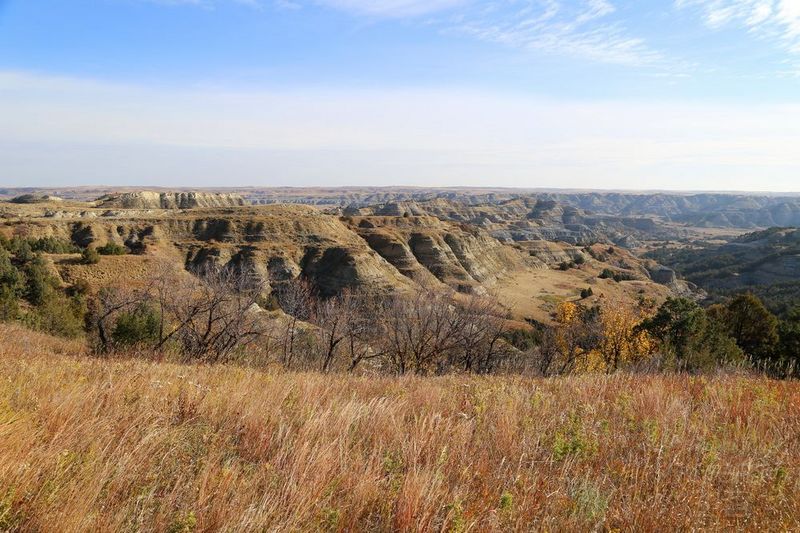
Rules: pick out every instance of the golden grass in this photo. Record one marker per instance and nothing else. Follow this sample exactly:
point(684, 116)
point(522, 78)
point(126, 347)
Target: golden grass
point(92, 445)
point(535, 293)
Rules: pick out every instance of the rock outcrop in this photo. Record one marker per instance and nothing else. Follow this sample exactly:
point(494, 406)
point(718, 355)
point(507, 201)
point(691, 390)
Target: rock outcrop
point(34, 199)
point(437, 243)
point(169, 200)
point(424, 247)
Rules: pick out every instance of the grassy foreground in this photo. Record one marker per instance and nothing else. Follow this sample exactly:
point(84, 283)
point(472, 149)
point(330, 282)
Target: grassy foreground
point(130, 445)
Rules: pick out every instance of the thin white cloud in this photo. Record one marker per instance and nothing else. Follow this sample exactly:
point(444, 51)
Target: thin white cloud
point(584, 29)
point(68, 129)
point(580, 28)
point(777, 21)
point(788, 16)
point(573, 28)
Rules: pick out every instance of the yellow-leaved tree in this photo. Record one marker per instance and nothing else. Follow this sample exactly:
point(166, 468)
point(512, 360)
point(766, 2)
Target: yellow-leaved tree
point(621, 342)
point(595, 340)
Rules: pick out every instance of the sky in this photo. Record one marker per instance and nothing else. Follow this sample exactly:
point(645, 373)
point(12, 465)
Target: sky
point(591, 94)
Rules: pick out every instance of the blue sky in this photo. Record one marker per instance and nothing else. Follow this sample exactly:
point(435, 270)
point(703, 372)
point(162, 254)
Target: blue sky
point(675, 94)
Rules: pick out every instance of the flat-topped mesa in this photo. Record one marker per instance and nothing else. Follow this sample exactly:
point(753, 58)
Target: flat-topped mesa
point(34, 199)
point(170, 200)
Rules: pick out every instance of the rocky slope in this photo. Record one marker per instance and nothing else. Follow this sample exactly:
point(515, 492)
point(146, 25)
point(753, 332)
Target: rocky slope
point(529, 219)
point(423, 246)
point(760, 258)
point(34, 199)
point(766, 262)
point(712, 210)
point(283, 242)
point(278, 242)
point(169, 200)
point(437, 244)
point(717, 210)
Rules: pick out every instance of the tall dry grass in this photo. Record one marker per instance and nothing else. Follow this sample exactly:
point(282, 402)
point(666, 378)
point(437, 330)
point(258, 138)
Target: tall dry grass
point(92, 445)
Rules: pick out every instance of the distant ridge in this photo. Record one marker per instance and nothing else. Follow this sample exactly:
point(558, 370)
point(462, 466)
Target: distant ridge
point(34, 199)
point(170, 200)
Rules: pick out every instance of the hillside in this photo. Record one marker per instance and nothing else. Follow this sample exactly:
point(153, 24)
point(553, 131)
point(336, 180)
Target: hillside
point(717, 210)
point(530, 219)
point(169, 200)
point(705, 210)
point(34, 199)
point(766, 262)
point(381, 253)
point(110, 445)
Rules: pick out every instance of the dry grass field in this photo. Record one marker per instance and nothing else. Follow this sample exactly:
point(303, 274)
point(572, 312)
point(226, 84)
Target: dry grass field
point(537, 293)
point(132, 445)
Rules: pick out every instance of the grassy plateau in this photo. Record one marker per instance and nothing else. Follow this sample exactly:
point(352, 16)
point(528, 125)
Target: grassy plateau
point(130, 445)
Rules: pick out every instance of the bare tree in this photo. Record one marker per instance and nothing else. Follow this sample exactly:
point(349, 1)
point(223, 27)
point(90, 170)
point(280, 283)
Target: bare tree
point(333, 317)
point(216, 315)
point(481, 346)
point(562, 345)
point(213, 314)
point(295, 298)
point(419, 330)
point(347, 324)
point(551, 352)
point(112, 301)
point(364, 329)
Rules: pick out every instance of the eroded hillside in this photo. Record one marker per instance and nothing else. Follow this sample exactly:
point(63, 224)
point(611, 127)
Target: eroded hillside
point(380, 249)
point(169, 200)
point(669, 209)
point(531, 219)
point(766, 262)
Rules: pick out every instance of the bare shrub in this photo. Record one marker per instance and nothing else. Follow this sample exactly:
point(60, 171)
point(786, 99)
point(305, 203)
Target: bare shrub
point(208, 316)
point(418, 329)
point(426, 332)
point(295, 298)
point(480, 346)
point(217, 315)
point(338, 319)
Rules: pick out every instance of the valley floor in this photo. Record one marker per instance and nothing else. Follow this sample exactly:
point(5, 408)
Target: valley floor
point(123, 445)
point(536, 294)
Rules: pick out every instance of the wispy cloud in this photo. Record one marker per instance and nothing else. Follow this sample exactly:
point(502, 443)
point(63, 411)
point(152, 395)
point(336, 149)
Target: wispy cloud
point(585, 29)
point(777, 21)
point(582, 28)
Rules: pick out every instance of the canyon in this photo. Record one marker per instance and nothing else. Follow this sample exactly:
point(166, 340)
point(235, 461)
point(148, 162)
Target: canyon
point(530, 254)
